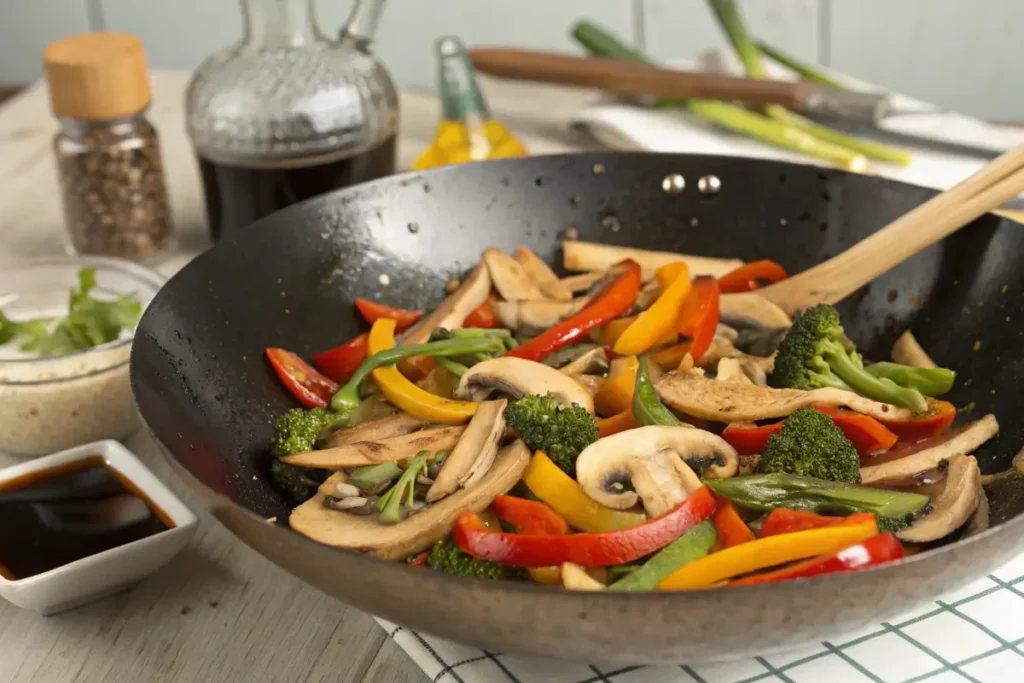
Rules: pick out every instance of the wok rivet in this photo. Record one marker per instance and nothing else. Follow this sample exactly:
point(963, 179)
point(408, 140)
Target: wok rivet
point(571, 233)
point(709, 185)
point(414, 227)
point(598, 169)
point(673, 183)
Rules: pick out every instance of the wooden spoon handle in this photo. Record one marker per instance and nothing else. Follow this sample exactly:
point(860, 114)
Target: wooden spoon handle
point(624, 78)
point(942, 215)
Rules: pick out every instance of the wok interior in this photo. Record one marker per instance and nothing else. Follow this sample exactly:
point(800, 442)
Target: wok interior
point(207, 393)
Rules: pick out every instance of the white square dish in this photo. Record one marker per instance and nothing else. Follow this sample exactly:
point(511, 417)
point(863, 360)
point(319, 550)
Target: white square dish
point(107, 572)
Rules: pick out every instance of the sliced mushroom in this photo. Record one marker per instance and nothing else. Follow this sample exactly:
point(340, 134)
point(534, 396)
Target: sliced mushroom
point(747, 308)
point(924, 456)
point(581, 282)
point(473, 455)
point(601, 257)
point(952, 507)
point(647, 295)
point(760, 342)
point(591, 383)
point(576, 578)
point(906, 350)
point(531, 315)
point(731, 370)
point(394, 448)
point(592, 362)
point(386, 427)
point(452, 312)
point(979, 520)
point(654, 461)
point(730, 334)
point(538, 271)
point(417, 532)
point(509, 278)
point(690, 393)
point(518, 377)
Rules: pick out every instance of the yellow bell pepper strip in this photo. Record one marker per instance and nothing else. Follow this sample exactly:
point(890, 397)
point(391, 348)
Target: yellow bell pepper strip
point(607, 426)
point(556, 488)
point(406, 395)
point(767, 552)
point(611, 332)
point(652, 326)
point(616, 394)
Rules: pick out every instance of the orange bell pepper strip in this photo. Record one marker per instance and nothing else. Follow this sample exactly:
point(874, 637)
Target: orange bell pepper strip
point(406, 395)
point(602, 549)
point(868, 435)
point(670, 357)
point(729, 527)
point(872, 552)
point(752, 276)
point(611, 333)
point(935, 422)
point(607, 426)
point(766, 552)
point(651, 327)
point(372, 311)
point(566, 497)
point(786, 521)
point(698, 318)
point(616, 394)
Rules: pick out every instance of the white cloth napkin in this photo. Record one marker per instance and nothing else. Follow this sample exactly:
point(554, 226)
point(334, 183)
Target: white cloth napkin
point(624, 126)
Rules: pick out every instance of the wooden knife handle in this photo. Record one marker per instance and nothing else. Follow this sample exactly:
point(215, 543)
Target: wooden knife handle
point(624, 78)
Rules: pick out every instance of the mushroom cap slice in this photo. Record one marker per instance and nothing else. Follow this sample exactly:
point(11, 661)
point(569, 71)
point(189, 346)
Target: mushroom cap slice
point(518, 377)
point(594, 361)
point(509, 277)
point(654, 460)
point(706, 399)
point(383, 428)
point(533, 314)
point(452, 312)
point(966, 439)
point(413, 534)
point(539, 272)
point(952, 507)
point(395, 448)
point(748, 308)
point(473, 454)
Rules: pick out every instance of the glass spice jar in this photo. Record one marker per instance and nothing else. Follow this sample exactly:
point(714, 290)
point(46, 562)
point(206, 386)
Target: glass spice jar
point(109, 165)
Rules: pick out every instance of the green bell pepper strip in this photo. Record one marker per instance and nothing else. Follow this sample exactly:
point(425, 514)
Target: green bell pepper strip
point(647, 407)
point(929, 381)
point(693, 545)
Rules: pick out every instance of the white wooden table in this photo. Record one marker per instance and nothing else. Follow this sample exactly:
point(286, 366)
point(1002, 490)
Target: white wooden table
point(219, 611)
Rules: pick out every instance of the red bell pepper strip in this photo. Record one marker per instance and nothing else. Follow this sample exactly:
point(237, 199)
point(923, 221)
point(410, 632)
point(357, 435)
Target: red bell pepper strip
point(752, 276)
point(935, 422)
point(300, 378)
point(419, 560)
point(341, 362)
point(729, 527)
point(698, 317)
point(530, 516)
point(371, 311)
point(587, 550)
point(609, 304)
point(873, 551)
point(483, 315)
point(867, 434)
point(786, 521)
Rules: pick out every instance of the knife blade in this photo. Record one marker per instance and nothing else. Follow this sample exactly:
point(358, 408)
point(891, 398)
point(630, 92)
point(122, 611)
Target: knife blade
point(639, 80)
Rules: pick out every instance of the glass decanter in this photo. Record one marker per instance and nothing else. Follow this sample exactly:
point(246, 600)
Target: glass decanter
point(290, 113)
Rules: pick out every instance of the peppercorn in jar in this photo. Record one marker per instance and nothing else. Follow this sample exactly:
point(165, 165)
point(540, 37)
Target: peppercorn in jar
point(108, 154)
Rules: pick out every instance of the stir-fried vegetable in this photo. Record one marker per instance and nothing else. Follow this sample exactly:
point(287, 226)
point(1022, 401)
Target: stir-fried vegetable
point(693, 545)
point(929, 381)
point(810, 444)
point(647, 407)
point(546, 425)
point(868, 435)
point(869, 553)
point(651, 326)
point(311, 388)
point(752, 276)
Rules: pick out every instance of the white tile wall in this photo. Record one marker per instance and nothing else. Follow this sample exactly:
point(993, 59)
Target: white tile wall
point(945, 50)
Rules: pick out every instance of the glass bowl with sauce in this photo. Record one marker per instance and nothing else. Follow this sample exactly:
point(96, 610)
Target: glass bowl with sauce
point(82, 524)
point(56, 401)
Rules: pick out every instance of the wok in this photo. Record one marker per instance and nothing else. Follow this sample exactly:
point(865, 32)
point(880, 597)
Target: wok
point(289, 280)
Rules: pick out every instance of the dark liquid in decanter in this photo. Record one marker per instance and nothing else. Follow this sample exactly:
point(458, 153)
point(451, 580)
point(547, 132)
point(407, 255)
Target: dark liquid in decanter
point(238, 195)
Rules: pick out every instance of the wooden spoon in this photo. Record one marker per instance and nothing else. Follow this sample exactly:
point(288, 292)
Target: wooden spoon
point(838, 277)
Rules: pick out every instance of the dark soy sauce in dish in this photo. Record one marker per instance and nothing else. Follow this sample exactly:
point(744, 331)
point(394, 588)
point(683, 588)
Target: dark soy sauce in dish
point(54, 517)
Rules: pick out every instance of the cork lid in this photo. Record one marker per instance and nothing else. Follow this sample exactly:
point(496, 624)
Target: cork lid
point(97, 76)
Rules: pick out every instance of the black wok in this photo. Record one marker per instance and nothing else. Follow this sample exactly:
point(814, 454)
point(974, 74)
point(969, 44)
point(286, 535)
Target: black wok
point(207, 394)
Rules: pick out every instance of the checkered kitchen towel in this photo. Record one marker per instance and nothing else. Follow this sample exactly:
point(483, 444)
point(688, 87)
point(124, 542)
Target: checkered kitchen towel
point(974, 634)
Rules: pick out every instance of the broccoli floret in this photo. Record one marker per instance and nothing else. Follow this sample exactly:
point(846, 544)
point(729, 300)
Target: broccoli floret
point(810, 444)
point(299, 482)
point(546, 425)
point(450, 559)
point(815, 353)
point(297, 430)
